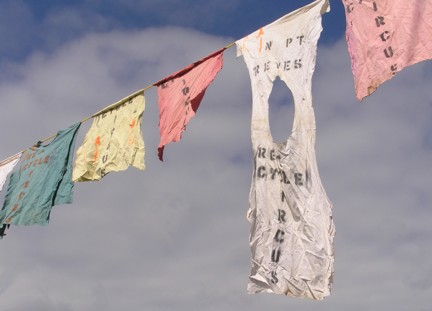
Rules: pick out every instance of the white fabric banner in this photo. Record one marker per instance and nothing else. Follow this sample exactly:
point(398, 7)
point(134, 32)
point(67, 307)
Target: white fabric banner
point(292, 230)
point(6, 166)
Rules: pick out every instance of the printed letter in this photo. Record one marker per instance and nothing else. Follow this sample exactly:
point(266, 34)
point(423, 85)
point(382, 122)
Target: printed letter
point(261, 152)
point(388, 52)
point(379, 21)
point(281, 214)
point(261, 172)
point(274, 279)
point(297, 63)
point(279, 235)
point(298, 179)
point(275, 255)
point(300, 39)
point(256, 70)
point(268, 45)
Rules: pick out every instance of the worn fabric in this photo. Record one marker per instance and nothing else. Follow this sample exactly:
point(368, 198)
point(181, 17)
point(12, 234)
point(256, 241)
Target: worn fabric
point(43, 180)
point(113, 142)
point(6, 166)
point(384, 37)
point(180, 96)
point(292, 231)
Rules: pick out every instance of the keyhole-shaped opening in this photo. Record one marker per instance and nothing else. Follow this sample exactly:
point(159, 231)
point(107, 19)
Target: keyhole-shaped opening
point(281, 111)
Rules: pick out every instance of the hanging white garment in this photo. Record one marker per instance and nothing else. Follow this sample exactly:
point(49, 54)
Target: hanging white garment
point(6, 166)
point(292, 230)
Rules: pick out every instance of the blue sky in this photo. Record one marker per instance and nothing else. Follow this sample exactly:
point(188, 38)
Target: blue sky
point(43, 25)
point(175, 237)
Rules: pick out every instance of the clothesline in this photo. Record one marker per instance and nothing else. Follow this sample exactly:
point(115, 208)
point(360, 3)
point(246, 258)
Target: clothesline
point(9, 159)
point(112, 106)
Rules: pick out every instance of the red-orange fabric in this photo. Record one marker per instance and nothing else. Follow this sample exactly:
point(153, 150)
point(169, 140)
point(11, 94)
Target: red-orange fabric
point(180, 95)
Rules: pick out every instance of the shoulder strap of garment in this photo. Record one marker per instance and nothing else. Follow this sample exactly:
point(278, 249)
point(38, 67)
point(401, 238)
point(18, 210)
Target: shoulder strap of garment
point(285, 48)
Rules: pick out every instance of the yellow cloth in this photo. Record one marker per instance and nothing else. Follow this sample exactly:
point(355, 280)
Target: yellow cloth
point(113, 142)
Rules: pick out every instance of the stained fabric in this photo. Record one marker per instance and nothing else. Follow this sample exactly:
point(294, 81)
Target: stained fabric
point(113, 143)
point(6, 166)
point(384, 37)
point(43, 180)
point(292, 231)
point(180, 96)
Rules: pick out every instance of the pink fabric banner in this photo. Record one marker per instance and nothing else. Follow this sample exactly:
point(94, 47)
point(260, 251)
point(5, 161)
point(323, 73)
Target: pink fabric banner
point(384, 36)
point(180, 96)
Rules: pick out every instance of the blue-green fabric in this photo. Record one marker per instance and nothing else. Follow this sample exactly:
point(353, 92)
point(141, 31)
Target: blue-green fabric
point(43, 180)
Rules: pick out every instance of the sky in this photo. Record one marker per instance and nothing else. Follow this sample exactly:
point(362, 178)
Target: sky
point(175, 236)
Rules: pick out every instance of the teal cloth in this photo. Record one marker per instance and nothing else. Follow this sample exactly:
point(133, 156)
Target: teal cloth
point(43, 180)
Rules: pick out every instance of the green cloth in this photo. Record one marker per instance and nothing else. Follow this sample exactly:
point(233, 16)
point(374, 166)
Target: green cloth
point(43, 180)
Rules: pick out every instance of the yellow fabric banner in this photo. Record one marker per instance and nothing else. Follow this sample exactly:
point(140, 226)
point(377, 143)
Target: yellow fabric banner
point(113, 142)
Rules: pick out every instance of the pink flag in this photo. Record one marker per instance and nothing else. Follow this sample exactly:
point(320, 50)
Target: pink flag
point(384, 37)
point(180, 96)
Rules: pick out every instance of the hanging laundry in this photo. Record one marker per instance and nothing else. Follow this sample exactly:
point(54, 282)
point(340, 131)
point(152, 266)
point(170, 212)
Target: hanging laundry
point(292, 229)
point(113, 143)
point(180, 96)
point(43, 180)
point(384, 37)
point(6, 166)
